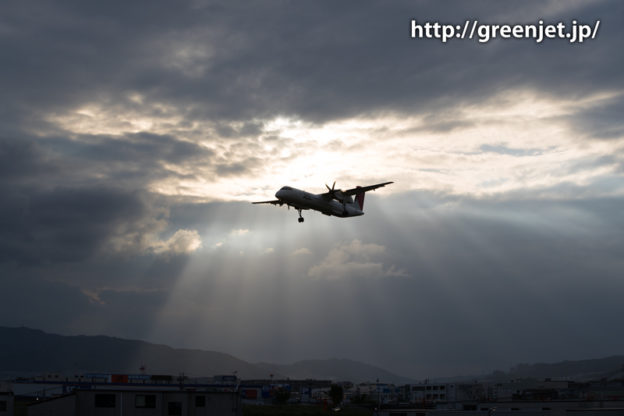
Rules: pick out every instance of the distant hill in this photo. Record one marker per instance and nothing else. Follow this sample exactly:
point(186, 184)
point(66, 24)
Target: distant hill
point(609, 367)
point(335, 369)
point(24, 350)
point(29, 350)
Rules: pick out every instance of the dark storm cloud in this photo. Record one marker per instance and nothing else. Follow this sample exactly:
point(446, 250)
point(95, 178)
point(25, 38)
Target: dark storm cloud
point(133, 160)
point(316, 61)
point(64, 200)
point(63, 224)
point(64, 53)
point(603, 121)
point(140, 148)
point(23, 160)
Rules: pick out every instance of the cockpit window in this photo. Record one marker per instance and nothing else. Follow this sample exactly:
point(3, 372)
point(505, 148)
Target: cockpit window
point(287, 188)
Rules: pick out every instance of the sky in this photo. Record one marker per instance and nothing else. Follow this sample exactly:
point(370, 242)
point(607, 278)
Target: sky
point(134, 135)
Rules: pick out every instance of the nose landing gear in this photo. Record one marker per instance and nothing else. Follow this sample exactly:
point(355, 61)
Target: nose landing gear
point(300, 219)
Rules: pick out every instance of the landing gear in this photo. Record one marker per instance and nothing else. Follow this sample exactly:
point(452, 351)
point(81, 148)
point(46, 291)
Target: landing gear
point(300, 219)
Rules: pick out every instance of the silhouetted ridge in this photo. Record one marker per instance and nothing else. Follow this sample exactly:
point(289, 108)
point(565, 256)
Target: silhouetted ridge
point(34, 351)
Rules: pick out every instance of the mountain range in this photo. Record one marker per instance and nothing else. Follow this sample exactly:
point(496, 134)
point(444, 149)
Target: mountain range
point(30, 351)
point(25, 350)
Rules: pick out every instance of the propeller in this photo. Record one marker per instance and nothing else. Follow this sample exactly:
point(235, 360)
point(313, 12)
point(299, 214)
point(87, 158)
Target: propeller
point(335, 193)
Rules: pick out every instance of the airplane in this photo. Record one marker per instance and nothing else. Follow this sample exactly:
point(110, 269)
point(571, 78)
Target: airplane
point(334, 202)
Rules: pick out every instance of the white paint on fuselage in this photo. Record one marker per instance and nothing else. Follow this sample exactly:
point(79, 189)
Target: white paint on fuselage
point(304, 200)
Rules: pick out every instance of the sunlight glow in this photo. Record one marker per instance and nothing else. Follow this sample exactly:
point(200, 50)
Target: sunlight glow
point(183, 241)
point(515, 140)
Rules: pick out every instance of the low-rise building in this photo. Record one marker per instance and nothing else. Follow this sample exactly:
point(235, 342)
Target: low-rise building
point(430, 393)
point(139, 402)
point(7, 400)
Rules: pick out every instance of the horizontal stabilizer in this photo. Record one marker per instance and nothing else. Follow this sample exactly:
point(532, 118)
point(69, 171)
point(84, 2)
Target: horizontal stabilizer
point(361, 189)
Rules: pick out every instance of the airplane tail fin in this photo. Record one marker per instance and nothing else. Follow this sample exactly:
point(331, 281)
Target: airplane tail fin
point(359, 198)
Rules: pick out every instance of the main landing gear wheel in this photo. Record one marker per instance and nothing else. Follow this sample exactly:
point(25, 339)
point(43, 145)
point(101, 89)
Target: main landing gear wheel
point(300, 217)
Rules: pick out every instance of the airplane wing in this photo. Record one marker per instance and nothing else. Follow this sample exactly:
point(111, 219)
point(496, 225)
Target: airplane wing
point(360, 189)
point(280, 203)
point(274, 202)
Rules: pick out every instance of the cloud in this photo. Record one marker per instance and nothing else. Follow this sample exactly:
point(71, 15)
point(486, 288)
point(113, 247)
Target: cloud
point(200, 109)
point(66, 224)
point(301, 251)
point(603, 119)
point(181, 242)
point(354, 260)
point(239, 231)
point(94, 296)
point(224, 73)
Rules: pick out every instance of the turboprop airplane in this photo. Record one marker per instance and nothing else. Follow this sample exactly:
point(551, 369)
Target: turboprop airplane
point(334, 202)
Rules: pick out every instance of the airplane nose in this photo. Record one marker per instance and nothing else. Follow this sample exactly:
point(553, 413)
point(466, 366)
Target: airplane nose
point(279, 194)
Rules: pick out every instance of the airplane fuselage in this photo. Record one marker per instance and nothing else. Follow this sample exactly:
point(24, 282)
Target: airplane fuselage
point(319, 202)
point(334, 202)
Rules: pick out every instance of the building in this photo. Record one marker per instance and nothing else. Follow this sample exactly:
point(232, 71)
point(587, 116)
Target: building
point(427, 393)
point(102, 402)
point(7, 400)
point(7, 403)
